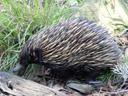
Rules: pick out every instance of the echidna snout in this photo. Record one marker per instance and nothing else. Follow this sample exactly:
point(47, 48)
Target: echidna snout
point(18, 67)
point(24, 61)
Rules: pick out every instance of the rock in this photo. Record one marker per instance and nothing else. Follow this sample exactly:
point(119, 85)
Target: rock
point(82, 88)
point(58, 87)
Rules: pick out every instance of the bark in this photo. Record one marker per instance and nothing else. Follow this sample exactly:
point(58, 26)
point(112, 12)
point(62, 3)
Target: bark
point(13, 85)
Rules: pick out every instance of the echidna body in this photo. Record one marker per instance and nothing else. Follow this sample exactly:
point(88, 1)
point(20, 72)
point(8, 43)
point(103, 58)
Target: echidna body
point(72, 44)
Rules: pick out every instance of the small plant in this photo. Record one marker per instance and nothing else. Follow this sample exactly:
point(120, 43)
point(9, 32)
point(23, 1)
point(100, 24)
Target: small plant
point(122, 69)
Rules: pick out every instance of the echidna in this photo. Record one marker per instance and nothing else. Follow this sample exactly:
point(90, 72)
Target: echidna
point(72, 45)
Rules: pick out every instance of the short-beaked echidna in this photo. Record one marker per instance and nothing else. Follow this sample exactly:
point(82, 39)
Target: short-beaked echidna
point(76, 44)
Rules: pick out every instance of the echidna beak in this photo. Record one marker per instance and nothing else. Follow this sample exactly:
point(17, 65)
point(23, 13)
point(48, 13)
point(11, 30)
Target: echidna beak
point(18, 67)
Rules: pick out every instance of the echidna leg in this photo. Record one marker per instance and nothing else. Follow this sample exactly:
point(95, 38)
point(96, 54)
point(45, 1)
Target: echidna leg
point(91, 76)
point(40, 62)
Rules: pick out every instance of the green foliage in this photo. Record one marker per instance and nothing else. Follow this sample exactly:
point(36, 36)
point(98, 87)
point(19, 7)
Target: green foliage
point(107, 75)
point(79, 1)
point(19, 19)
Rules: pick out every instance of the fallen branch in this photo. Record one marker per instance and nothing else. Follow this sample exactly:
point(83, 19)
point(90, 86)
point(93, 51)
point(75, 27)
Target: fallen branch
point(17, 86)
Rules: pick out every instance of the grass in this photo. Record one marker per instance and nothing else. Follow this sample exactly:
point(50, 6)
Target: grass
point(19, 20)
